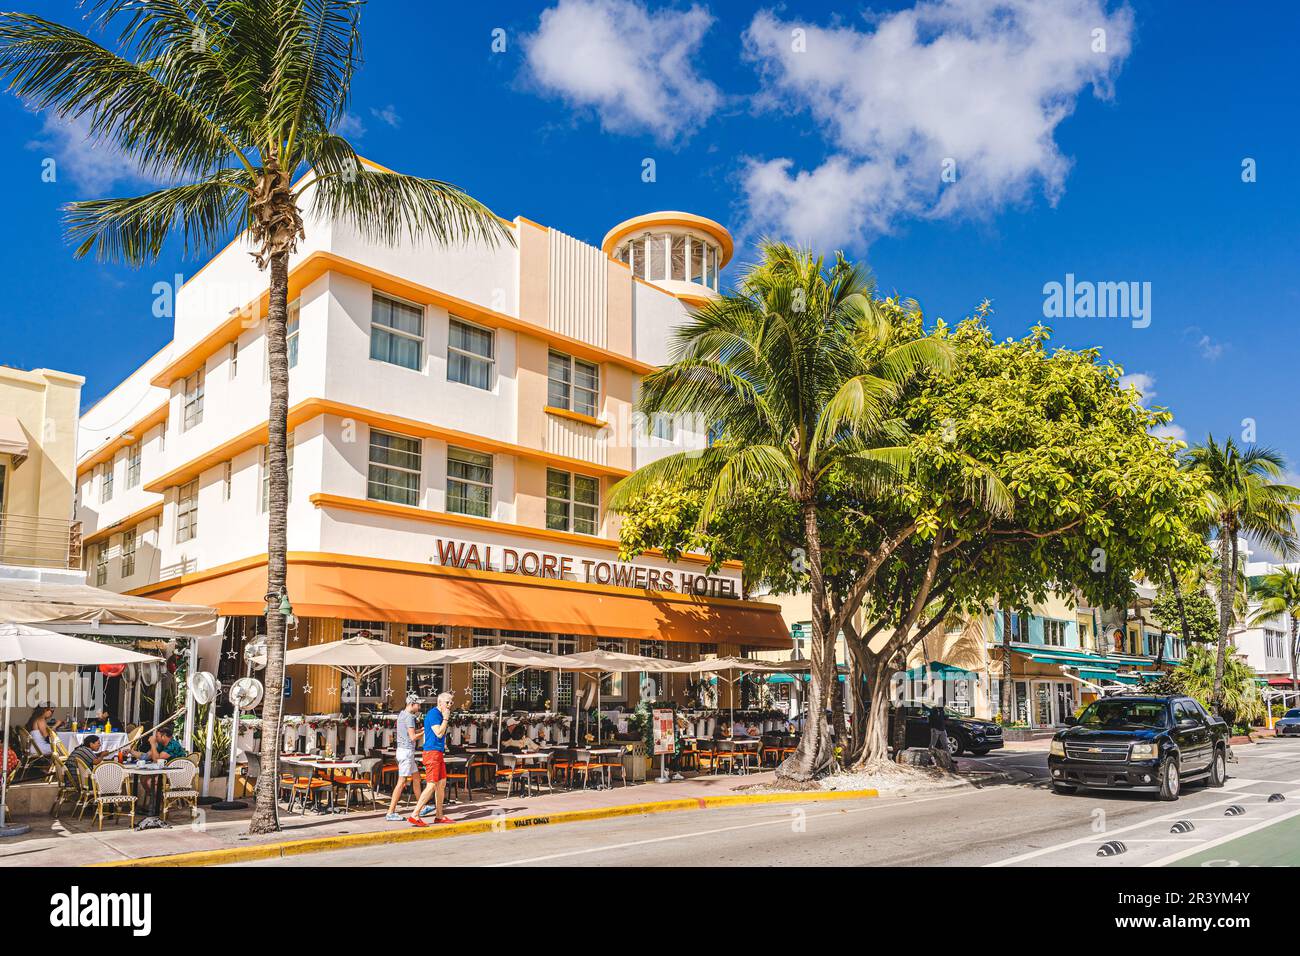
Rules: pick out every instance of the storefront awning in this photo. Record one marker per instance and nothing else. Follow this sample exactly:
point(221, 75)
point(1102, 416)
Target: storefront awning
point(938, 669)
point(85, 609)
point(345, 586)
point(13, 440)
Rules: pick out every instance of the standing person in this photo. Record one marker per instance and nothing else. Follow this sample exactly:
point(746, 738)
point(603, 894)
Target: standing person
point(435, 767)
point(408, 738)
point(939, 731)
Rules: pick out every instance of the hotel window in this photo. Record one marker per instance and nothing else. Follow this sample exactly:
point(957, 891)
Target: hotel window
point(1054, 633)
point(233, 353)
point(612, 685)
point(469, 482)
point(663, 426)
point(572, 384)
point(187, 511)
point(128, 553)
point(1273, 644)
point(427, 682)
point(635, 257)
point(396, 332)
point(227, 480)
point(106, 482)
point(101, 565)
point(394, 469)
point(266, 473)
point(373, 686)
point(655, 268)
point(572, 502)
point(697, 261)
point(711, 269)
point(1019, 629)
point(679, 258)
point(133, 465)
point(193, 401)
point(470, 355)
point(291, 334)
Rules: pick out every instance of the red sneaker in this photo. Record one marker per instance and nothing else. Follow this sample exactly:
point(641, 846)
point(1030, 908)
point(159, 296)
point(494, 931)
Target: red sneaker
point(416, 822)
point(444, 820)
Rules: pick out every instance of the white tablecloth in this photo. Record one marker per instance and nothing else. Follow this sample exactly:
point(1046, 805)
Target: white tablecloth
point(111, 741)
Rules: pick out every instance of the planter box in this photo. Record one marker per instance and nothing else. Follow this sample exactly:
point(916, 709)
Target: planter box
point(31, 799)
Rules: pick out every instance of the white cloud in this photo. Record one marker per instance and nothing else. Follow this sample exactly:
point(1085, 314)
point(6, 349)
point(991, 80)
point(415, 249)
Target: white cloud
point(982, 83)
point(387, 115)
point(350, 126)
point(1144, 382)
point(632, 67)
point(95, 168)
point(1170, 431)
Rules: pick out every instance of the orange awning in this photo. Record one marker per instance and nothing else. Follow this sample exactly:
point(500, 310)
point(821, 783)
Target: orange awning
point(337, 586)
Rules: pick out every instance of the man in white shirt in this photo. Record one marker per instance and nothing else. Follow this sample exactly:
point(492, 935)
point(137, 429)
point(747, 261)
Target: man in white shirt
point(409, 734)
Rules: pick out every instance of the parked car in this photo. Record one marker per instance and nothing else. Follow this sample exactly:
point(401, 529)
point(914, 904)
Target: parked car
point(965, 734)
point(1288, 725)
point(1151, 744)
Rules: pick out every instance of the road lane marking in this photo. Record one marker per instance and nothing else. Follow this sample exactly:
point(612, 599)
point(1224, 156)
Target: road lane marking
point(783, 821)
point(1219, 841)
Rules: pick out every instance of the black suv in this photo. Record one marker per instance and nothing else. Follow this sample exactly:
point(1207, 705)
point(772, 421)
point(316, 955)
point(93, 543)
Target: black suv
point(969, 734)
point(1149, 744)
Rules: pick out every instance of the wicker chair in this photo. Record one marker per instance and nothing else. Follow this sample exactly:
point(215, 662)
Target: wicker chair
point(178, 785)
point(30, 755)
point(109, 781)
point(65, 775)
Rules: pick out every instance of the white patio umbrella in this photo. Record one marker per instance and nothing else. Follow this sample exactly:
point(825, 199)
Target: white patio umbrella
point(599, 662)
point(358, 658)
point(504, 661)
point(730, 669)
point(23, 643)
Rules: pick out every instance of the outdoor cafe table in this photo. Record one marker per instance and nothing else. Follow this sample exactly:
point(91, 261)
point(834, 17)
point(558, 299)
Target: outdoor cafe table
point(331, 766)
point(110, 741)
point(741, 745)
point(590, 753)
point(154, 771)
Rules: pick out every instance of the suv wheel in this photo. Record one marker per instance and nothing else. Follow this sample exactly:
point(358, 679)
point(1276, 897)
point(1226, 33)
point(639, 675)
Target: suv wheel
point(1218, 768)
point(954, 746)
point(1170, 782)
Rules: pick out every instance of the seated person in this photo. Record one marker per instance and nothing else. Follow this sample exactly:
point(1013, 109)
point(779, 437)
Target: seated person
point(88, 752)
point(515, 737)
point(41, 726)
point(102, 721)
point(161, 746)
point(738, 729)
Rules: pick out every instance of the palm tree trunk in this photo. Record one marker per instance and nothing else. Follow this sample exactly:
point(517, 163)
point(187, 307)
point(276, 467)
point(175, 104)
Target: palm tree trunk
point(1008, 702)
point(1227, 588)
point(813, 755)
point(1295, 645)
point(1178, 599)
point(266, 810)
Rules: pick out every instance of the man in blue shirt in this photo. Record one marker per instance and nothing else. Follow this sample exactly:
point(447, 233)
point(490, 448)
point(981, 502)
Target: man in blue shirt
point(435, 767)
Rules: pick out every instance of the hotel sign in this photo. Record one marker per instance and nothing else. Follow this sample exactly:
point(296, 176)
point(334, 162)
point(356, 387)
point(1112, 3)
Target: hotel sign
point(541, 564)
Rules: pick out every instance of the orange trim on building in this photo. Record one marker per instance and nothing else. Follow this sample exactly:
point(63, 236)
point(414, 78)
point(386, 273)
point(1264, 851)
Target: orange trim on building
point(365, 505)
point(130, 436)
point(317, 264)
point(311, 408)
point(342, 586)
point(124, 524)
point(574, 416)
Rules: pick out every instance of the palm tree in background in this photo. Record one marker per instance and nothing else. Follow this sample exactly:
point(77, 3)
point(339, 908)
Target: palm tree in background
point(799, 369)
point(227, 101)
point(1279, 593)
point(1243, 498)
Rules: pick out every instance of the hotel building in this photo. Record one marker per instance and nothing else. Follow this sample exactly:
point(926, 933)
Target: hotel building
point(457, 417)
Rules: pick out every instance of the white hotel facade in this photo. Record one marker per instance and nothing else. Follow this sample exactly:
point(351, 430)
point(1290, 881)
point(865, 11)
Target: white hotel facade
point(457, 418)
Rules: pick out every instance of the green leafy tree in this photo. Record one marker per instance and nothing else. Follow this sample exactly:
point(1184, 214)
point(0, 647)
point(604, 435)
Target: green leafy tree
point(228, 101)
point(1242, 496)
point(1199, 676)
point(1171, 609)
point(801, 371)
point(1279, 594)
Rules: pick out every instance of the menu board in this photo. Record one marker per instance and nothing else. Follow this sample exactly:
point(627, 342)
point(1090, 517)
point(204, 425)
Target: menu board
point(661, 723)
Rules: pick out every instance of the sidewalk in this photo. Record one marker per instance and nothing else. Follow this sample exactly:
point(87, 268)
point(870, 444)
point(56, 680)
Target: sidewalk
point(68, 842)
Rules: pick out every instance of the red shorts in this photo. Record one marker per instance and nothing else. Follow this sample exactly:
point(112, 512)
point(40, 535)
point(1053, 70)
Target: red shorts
point(435, 768)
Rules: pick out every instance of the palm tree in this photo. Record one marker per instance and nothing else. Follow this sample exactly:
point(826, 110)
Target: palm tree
point(800, 369)
point(227, 101)
point(1242, 498)
point(1279, 593)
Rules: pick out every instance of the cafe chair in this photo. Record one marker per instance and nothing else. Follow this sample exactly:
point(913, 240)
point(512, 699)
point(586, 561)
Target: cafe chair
point(178, 785)
point(536, 771)
point(109, 781)
point(485, 767)
point(457, 778)
point(610, 767)
point(363, 779)
point(65, 775)
point(511, 770)
point(772, 749)
point(301, 780)
point(582, 763)
point(562, 765)
point(85, 785)
point(30, 757)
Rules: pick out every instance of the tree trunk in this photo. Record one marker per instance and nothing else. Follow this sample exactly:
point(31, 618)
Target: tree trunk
point(858, 713)
point(1178, 599)
point(266, 810)
point(1227, 588)
point(1008, 702)
point(875, 736)
point(813, 755)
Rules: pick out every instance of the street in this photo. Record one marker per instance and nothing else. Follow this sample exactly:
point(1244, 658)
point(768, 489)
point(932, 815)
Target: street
point(1017, 821)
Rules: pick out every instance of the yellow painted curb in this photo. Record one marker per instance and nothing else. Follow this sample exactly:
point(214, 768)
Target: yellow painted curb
point(348, 841)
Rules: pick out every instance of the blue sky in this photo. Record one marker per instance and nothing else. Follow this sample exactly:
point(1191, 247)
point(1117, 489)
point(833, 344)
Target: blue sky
point(1123, 164)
